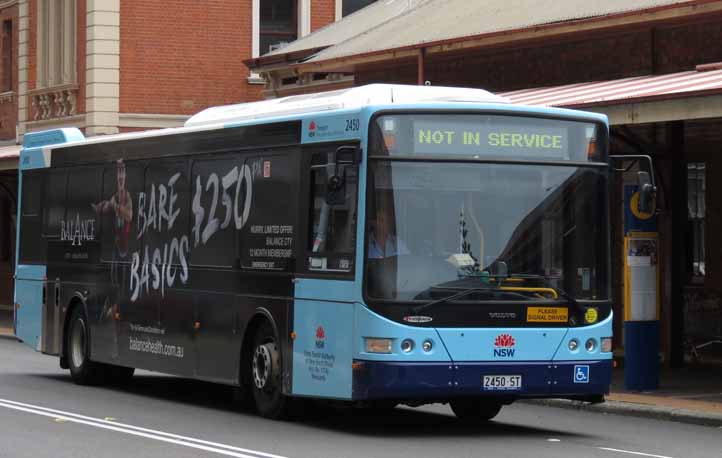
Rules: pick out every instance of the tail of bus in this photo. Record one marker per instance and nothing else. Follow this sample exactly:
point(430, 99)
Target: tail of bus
point(31, 286)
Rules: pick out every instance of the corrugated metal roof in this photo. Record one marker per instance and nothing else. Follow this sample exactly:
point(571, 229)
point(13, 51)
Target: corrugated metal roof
point(624, 90)
point(438, 20)
point(361, 20)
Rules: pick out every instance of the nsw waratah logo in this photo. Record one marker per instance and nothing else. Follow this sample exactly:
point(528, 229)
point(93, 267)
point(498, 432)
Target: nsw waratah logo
point(320, 337)
point(504, 346)
point(312, 129)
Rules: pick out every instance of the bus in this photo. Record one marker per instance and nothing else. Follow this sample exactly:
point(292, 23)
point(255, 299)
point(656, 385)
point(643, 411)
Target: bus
point(379, 245)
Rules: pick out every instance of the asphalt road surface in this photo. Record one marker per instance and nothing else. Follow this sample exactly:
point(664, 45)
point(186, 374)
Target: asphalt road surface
point(43, 414)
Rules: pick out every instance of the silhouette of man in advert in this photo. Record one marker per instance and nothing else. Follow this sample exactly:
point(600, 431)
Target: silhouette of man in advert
point(121, 205)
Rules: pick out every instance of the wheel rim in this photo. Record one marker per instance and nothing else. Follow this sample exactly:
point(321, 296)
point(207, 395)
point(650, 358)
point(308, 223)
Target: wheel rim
point(265, 366)
point(77, 343)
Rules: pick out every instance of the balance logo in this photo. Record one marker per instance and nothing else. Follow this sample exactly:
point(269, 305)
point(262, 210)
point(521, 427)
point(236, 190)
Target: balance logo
point(504, 346)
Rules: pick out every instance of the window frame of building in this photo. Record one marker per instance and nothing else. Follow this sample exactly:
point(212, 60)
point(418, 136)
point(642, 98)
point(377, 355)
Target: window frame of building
point(303, 26)
point(56, 43)
point(339, 9)
point(7, 56)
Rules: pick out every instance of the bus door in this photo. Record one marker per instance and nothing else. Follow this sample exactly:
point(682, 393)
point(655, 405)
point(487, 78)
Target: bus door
point(323, 317)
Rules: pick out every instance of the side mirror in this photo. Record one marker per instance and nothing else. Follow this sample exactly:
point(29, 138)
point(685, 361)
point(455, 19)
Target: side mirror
point(501, 270)
point(336, 172)
point(647, 190)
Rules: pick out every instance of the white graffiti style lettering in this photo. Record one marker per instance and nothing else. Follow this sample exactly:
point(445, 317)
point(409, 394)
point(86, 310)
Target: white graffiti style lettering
point(159, 210)
point(160, 270)
point(156, 269)
point(77, 230)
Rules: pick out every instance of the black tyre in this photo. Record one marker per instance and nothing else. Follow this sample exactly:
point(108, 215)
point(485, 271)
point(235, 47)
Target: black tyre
point(82, 369)
point(475, 410)
point(266, 370)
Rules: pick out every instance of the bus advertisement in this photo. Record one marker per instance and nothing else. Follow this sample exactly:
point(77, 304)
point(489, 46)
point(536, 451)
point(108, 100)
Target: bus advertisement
point(379, 245)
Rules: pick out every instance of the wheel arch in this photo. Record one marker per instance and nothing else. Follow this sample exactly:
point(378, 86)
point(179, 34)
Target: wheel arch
point(76, 300)
point(260, 315)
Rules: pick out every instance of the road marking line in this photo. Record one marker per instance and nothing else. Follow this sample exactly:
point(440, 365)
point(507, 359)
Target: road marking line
point(632, 453)
point(185, 441)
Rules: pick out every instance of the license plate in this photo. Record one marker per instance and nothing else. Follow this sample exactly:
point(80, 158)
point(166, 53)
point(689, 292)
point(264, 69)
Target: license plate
point(501, 382)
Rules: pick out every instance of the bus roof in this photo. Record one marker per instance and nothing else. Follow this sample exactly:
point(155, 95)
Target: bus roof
point(356, 97)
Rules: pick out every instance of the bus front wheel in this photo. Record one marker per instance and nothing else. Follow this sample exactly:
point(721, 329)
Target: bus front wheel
point(266, 374)
point(475, 409)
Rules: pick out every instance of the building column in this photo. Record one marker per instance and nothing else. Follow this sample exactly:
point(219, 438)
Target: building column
point(680, 261)
point(23, 37)
point(102, 74)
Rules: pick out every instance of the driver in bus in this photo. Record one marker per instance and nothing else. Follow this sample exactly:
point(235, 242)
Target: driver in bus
point(383, 241)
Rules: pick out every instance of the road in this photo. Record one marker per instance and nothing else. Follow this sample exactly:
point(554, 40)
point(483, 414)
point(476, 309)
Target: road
point(43, 414)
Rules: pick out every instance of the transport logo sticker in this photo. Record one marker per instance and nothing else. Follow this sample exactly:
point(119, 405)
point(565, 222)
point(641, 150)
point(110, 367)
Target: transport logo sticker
point(320, 337)
point(504, 346)
point(591, 315)
point(581, 374)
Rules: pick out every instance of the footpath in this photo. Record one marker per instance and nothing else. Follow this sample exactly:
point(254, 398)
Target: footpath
point(688, 395)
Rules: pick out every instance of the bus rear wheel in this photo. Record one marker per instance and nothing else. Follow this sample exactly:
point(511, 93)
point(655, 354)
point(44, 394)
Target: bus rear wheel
point(82, 369)
point(480, 410)
point(266, 374)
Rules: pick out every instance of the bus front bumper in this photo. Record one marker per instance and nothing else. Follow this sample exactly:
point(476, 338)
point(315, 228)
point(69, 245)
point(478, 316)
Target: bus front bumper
point(443, 381)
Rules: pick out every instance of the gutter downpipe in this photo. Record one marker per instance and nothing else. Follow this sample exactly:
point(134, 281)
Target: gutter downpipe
point(420, 61)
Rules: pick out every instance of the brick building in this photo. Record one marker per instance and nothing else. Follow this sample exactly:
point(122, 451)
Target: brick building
point(110, 66)
point(653, 66)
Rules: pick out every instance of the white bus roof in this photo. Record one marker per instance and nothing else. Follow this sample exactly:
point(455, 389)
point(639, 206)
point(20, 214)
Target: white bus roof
point(372, 94)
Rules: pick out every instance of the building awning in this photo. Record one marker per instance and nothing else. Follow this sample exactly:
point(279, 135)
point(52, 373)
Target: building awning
point(9, 157)
point(698, 94)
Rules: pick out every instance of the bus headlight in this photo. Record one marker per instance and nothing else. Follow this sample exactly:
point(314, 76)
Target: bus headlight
point(407, 345)
point(606, 344)
point(590, 345)
point(427, 346)
point(573, 345)
point(377, 345)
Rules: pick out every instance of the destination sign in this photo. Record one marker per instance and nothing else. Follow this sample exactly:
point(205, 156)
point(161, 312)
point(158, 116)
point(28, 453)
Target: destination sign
point(498, 139)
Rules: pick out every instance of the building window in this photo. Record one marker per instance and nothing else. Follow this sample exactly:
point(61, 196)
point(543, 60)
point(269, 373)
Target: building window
point(696, 209)
point(56, 30)
point(278, 24)
point(346, 7)
point(7, 56)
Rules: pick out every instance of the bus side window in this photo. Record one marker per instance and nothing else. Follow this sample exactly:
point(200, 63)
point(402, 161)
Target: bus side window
point(269, 234)
point(332, 231)
point(54, 209)
point(84, 185)
point(117, 209)
point(32, 251)
point(214, 185)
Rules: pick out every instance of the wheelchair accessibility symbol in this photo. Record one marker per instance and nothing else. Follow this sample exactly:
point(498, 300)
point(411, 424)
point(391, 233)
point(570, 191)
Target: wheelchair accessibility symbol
point(581, 374)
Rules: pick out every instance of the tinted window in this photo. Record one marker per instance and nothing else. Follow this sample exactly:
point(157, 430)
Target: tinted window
point(84, 184)
point(121, 184)
point(332, 219)
point(54, 209)
point(217, 197)
point(268, 237)
point(32, 247)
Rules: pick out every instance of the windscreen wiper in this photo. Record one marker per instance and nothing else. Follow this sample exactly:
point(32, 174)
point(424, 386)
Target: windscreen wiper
point(458, 295)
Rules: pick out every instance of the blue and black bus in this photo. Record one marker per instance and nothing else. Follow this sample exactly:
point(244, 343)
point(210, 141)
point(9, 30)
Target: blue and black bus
point(378, 245)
